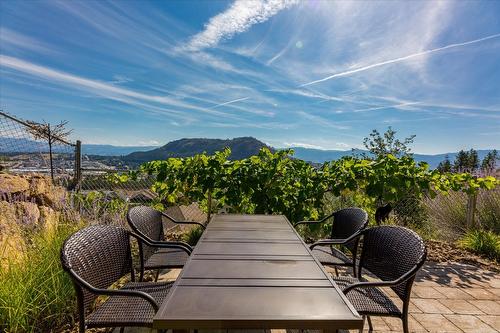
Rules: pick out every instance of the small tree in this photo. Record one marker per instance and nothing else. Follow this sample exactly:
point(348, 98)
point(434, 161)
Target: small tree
point(445, 166)
point(490, 161)
point(461, 161)
point(45, 131)
point(383, 145)
point(473, 160)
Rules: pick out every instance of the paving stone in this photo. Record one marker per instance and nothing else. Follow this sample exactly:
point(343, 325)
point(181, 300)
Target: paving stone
point(435, 322)
point(426, 292)
point(470, 323)
point(169, 275)
point(452, 293)
point(480, 293)
point(413, 308)
point(496, 292)
point(460, 306)
point(488, 307)
point(396, 324)
point(431, 306)
point(378, 323)
point(493, 321)
point(495, 282)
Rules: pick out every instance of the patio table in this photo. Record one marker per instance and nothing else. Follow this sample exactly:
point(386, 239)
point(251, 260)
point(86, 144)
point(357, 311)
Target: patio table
point(254, 272)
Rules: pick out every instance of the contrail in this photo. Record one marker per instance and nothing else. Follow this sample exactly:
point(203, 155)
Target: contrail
point(414, 55)
point(229, 102)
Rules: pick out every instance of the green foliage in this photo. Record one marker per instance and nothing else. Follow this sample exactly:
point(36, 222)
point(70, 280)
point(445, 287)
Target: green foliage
point(95, 205)
point(382, 145)
point(466, 161)
point(192, 235)
point(445, 166)
point(490, 161)
point(265, 183)
point(35, 293)
point(486, 243)
point(276, 183)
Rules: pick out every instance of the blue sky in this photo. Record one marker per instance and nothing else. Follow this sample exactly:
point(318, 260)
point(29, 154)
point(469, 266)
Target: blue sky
point(317, 74)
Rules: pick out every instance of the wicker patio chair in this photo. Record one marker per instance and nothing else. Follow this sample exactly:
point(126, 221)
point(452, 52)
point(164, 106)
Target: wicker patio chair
point(147, 222)
point(393, 255)
point(96, 257)
point(346, 222)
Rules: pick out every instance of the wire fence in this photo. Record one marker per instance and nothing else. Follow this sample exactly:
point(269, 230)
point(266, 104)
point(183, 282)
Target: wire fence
point(22, 151)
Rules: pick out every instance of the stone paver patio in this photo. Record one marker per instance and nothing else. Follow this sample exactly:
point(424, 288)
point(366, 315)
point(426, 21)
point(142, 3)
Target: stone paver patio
point(447, 297)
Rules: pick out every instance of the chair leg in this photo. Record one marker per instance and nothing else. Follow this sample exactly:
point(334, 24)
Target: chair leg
point(122, 329)
point(405, 324)
point(362, 327)
point(336, 270)
point(370, 326)
point(157, 274)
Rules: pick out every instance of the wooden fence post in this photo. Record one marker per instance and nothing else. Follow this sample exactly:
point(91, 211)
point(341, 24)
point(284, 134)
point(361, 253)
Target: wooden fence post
point(471, 210)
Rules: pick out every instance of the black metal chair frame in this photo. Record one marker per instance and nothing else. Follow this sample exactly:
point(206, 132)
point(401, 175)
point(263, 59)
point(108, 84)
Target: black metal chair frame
point(407, 278)
point(353, 244)
point(81, 285)
point(157, 243)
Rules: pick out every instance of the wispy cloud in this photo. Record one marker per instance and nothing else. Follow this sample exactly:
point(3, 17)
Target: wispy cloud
point(321, 121)
point(230, 102)
point(238, 18)
point(100, 88)
point(383, 107)
point(303, 145)
point(16, 39)
point(400, 59)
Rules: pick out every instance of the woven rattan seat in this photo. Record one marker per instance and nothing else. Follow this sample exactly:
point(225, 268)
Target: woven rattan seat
point(147, 222)
point(346, 222)
point(393, 255)
point(368, 300)
point(171, 258)
point(129, 311)
point(328, 255)
point(96, 258)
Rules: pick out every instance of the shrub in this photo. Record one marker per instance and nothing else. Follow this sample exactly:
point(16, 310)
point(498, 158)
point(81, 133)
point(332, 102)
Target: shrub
point(486, 243)
point(35, 293)
point(192, 235)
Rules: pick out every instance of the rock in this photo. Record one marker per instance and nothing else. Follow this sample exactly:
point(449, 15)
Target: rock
point(12, 184)
point(11, 240)
point(49, 218)
point(27, 213)
point(46, 194)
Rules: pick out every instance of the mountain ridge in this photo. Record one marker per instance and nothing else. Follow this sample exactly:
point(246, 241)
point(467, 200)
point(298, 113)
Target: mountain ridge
point(241, 148)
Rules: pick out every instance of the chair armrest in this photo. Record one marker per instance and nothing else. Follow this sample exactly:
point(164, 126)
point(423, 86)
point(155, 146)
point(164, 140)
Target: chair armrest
point(116, 292)
point(335, 241)
point(314, 222)
point(366, 284)
point(182, 222)
point(165, 244)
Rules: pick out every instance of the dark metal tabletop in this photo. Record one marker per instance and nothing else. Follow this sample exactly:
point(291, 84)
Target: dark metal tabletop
point(254, 272)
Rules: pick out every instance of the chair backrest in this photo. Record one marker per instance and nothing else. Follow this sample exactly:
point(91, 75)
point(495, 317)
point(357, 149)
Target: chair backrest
point(147, 222)
point(346, 222)
point(391, 251)
point(99, 255)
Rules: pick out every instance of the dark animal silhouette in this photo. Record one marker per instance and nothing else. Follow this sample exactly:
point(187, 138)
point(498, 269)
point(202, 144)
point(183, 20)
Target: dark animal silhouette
point(382, 213)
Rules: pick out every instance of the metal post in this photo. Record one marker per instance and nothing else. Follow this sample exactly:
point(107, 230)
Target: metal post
point(49, 134)
point(209, 205)
point(78, 164)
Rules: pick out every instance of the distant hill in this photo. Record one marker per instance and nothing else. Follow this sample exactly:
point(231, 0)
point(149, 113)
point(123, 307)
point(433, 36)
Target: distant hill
point(240, 147)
